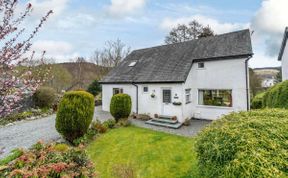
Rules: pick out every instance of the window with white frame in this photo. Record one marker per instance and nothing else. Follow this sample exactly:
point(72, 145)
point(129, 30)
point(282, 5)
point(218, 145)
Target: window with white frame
point(145, 89)
point(215, 98)
point(188, 95)
point(117, 91)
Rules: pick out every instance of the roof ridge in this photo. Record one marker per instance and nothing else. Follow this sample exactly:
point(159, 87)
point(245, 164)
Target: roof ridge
point(183, 42)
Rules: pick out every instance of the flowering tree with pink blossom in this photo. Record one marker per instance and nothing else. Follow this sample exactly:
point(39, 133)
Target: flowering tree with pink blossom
point(15, 84)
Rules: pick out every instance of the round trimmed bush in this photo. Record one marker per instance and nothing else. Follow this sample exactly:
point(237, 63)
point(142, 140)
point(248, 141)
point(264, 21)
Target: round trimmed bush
point(44, 97)
point(277, 96)
point(75, 113)
point(120, 106)
point(257, 102)
point(245, 144)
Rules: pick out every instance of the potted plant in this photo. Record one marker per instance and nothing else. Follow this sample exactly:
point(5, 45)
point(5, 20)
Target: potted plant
point(177, 103)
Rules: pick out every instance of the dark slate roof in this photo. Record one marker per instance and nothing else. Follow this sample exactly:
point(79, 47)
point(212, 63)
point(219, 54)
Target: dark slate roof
point(284, 42)
point(172, 63)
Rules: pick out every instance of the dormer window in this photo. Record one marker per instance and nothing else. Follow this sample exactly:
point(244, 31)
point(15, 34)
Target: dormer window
point(132, 64)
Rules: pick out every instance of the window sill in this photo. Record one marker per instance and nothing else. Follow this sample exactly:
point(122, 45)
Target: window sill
point(214, 107)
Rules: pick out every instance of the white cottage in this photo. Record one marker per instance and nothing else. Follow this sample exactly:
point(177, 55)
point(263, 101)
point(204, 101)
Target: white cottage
point(202, 79)
point(283, 56)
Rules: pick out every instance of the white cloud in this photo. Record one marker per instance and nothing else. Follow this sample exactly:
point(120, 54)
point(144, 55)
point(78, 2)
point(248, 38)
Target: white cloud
point(61, 51)
point(269, 23)
point(271, 17)
point(119, 8)
point(52, 47)
point(77, 21)
point(40, 8)
point(262, 60)
point(217, 26)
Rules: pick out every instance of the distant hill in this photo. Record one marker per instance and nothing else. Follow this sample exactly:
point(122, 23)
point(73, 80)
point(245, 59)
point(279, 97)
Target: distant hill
point(82, 74)
point(267, 72)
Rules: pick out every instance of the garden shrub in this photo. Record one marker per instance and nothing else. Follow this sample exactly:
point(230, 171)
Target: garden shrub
point(98, 127)
point(257, 102)
point(48, 161)
point(94, 88)
point(120, 106)
point(123, 122)
point(277, 96)
point(44, 97)
point(110, 123)
point(75, 114)
point(245, 144)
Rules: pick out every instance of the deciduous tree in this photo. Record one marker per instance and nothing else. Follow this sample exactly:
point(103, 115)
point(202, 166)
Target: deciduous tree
point(14, 85)
point(183, 32)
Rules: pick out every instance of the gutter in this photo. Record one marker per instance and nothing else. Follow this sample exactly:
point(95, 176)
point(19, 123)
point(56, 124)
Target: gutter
point(136, 96)
point(247, 82)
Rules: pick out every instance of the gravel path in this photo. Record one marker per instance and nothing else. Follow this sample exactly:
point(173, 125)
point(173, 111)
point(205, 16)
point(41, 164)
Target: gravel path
point(25, 133)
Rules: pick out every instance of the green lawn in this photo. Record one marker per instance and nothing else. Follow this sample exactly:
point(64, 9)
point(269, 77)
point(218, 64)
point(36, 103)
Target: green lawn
point(149, 154)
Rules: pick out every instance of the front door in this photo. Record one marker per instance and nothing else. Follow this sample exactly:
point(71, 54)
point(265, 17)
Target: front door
point(166, 102)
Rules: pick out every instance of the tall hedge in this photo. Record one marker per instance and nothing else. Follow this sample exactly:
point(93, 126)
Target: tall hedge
point(75, 114)
point(277, 96)
point(245, 144)
point(120, 106)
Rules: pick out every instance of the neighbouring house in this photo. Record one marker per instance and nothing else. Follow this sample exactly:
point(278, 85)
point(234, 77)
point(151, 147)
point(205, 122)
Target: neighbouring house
point(203, 78)
point(283, 56)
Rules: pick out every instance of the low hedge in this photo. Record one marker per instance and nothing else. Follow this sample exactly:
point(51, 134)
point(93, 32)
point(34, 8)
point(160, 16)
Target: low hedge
point(245, 144)
point(120, 106)
point(277, 96)
point(75, 114)
point(257, 102)
point(44, 97)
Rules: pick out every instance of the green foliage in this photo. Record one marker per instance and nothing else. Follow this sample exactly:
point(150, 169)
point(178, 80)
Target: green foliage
point(99, 127)
point(124, 122)
point(50, 161)
point(277, 96)
point(94, 88)
point(245, 144)
point(110, 123)
point(120, 106)
point(75, 114)
point(257, 102)
point(14, 154)
point(44, 97)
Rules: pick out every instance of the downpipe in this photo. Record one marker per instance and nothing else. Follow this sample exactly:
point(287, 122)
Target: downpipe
point(247, 82)
point(136, 96)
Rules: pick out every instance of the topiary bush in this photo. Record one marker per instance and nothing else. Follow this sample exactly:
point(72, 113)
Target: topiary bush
point(74, 114)
point(277, 96)
point(245, 144)
point(44, 97)
point(257, 102)
point(120, 106)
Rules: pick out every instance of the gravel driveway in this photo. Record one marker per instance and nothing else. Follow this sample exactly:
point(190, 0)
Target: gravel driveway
point(25, 133)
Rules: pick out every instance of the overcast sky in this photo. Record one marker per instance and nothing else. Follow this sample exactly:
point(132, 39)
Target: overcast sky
point(78, 27)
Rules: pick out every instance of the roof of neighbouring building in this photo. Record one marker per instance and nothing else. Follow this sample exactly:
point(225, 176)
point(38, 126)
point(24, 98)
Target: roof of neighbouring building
point(284, 42)
point(172, 63)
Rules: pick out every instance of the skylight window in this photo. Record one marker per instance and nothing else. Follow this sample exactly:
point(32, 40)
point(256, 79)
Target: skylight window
point(132, 64)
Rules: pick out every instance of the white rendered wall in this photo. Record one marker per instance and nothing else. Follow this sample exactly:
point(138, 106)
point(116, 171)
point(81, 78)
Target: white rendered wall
point(146, 104)
point(285, 63)
point(221, 74)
